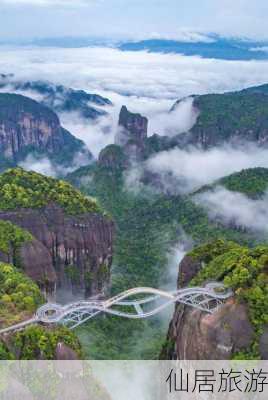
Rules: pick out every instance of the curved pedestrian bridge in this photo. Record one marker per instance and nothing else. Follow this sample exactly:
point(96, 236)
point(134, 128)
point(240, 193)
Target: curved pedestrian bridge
point(138, 303)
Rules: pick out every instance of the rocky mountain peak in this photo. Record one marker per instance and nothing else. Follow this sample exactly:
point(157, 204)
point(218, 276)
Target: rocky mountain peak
point(132, 127)
point(132, 133)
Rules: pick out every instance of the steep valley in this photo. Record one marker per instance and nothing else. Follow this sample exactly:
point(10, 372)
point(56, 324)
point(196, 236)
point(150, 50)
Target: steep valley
point(148, 226)
point(73, 246)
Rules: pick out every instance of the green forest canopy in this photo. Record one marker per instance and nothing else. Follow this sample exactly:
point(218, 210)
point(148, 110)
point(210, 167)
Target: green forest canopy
point(23, 189)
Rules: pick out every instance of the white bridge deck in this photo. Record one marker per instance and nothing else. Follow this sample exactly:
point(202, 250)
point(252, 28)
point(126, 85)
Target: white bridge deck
point(207, 299)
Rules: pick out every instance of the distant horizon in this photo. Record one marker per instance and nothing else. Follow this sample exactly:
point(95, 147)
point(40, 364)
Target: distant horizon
point(114, 19)
point(193, 37)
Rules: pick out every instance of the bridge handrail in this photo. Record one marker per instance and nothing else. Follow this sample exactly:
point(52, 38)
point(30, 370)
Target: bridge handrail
point(55, 313)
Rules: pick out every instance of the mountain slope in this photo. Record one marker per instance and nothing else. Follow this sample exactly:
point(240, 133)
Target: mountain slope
point(68, 244)
point(148, 228)
point(252, 182)
point(58, 97)
point(236, 117)
point(27, 127)
point(238, 328)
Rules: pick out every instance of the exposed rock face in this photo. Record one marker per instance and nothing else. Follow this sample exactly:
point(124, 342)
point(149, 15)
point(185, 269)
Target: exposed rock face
point(64, 352)
point(196, 335)
point(26, 126)
point(72, 253)
point(264, 344)
point(132, 133)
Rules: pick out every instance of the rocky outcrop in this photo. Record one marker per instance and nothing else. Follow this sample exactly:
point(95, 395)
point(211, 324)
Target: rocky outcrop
point(69, 252)
point(64, 352)
point(196, 335)
point(27, 126)
point(132, 133)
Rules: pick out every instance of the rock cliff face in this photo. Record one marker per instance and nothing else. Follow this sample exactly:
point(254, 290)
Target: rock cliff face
point(132, 133)
point(27, 126)
point(196, 335)
point(70, 253)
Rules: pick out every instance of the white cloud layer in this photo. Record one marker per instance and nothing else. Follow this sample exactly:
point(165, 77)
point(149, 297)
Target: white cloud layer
point(44, 166)
point(146, 83)
point(195, 167)
point(179, 120)
point(236, 209)
point(141, 74)
point(37, 3)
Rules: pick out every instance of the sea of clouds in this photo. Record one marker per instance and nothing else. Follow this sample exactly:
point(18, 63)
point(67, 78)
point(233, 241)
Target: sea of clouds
point(146, 82)
point(150, 84)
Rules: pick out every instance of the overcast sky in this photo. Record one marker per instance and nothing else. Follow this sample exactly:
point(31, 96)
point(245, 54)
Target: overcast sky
point(132, 18)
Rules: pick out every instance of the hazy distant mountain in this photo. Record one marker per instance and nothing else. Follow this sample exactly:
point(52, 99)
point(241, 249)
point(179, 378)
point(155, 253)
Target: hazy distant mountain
point(58, 97)
point(214, 47)
point(219, 48)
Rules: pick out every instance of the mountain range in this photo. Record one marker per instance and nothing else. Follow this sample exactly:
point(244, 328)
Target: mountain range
point(208, 46)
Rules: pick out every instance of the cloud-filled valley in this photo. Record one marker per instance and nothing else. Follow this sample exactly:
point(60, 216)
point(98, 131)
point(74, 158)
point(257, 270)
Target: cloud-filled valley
point(141, 74)
point(236, 209)
point(149, 84)
point(194, 167)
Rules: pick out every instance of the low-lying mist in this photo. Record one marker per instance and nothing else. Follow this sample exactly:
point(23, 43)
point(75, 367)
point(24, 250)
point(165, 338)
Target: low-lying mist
point(194, 167)
point(236, 209)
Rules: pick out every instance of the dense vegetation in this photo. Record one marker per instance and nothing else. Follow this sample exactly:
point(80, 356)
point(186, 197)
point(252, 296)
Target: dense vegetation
point(12, 237)
point(37, 342)
point(252, 182)
point(19, 296)
point(144, 235)
point(148, 227)
point(22, 189)
point(232, 111)
point(243, 269)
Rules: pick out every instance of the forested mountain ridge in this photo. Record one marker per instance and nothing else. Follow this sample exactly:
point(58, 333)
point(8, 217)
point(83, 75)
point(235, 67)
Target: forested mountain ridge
point(234, 118)
point(252, 182)
point(231, 117)
point(58, 97)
